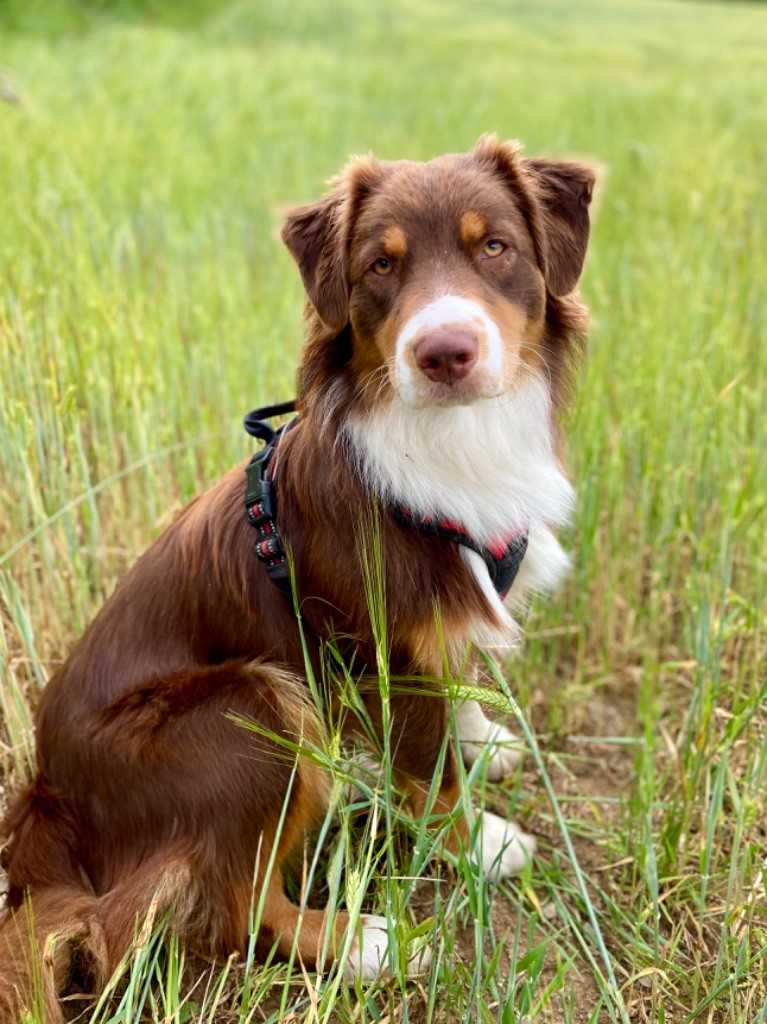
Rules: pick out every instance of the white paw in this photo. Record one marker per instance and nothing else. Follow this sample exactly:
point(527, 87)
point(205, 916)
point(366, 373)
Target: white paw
point(366, 770)
point(476, 732)
point(368, 957)
point(502, 848)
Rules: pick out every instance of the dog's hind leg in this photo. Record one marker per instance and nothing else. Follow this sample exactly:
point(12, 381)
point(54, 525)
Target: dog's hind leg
point(171, 776)
point(171, 803)
point(210, 763)
point(306, 932)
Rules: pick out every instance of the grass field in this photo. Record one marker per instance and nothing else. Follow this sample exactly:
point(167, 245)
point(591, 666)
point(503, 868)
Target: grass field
point(146, 150)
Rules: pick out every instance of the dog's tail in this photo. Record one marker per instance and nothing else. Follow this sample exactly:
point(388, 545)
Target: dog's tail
point(55, 925)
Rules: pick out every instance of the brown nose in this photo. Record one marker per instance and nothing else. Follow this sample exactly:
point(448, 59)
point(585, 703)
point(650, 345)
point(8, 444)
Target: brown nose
point(447, 355)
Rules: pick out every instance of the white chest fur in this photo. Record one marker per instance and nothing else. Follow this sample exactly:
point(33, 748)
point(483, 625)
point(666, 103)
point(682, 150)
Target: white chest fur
point(489, 465)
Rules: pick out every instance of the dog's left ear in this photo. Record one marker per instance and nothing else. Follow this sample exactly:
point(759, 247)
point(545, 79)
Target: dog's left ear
point(564, 191)
point(318, 238)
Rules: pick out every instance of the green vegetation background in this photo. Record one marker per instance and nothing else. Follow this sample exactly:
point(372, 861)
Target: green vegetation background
point(146, 153)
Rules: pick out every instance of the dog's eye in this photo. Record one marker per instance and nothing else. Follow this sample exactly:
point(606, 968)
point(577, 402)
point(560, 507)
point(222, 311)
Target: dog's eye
point(493, 248)
point(382, 267)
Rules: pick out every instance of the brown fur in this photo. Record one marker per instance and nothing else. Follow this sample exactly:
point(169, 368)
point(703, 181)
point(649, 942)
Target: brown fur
point(147, 794)
point(473, 228)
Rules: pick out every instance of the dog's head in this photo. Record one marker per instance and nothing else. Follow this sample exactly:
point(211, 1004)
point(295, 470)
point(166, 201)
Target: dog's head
point(435, 279)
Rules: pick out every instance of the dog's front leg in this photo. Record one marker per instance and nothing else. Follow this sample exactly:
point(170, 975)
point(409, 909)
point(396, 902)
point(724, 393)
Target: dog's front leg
point(476, 733)
point(419, 742)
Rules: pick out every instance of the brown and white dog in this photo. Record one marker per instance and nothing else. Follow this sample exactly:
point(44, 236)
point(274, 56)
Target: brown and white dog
point(441, 328)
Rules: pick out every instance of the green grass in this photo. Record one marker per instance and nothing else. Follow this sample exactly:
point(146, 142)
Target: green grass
point(146, 151)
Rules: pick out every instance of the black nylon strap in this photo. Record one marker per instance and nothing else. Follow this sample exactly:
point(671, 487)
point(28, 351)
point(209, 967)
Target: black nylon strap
point(254, 422)
point(503, 570)
point(260, 496)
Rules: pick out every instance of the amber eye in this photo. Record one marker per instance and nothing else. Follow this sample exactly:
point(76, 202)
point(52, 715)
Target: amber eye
point(493, 248)
point(382, 267)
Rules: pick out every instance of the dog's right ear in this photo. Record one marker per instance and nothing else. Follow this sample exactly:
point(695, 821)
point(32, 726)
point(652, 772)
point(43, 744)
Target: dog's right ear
point(315, 236)
point(318, 238)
